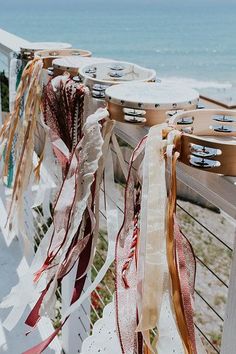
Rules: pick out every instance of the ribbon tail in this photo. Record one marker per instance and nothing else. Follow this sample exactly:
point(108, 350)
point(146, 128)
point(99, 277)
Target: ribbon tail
point(39, 348)
point(34, 316)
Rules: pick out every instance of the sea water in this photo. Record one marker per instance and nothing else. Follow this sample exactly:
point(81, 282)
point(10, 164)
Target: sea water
point(192, 42)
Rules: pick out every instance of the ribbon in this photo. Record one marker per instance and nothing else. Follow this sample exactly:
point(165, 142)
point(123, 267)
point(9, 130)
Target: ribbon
point(125, 291)
point(185, 285)
point(177, 294)
point(68, 257)
point(151, 255)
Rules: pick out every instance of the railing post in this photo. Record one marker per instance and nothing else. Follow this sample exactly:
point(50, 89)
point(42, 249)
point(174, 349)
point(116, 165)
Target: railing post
point(7, 56)
point(228, 344)
point(0, 105)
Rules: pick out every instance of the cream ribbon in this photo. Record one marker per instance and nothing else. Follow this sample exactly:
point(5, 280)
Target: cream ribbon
point(151, 253)
point(154, 306)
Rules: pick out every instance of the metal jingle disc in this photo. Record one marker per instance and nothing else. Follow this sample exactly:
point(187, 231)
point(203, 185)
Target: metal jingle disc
point(134, 119)
point(99, 87)
point(203, 163)
point(117, 67)
point(223, 128)
point(115, 74)
point(224, 118)
point(171, 113)
point(50, 71)
point(203, 151)
point(185, 121)
point(98, 94)
point(134, 112)
point(91, 70)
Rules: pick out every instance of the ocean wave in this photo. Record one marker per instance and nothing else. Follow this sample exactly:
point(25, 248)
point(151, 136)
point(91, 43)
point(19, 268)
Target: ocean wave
point(189, 51)
point(198, 84)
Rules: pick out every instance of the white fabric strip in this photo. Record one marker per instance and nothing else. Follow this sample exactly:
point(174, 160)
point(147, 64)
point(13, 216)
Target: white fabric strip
point(112, 230)
point(90, 155)
point(41, 254)
point(99, 178)
point(25, 293)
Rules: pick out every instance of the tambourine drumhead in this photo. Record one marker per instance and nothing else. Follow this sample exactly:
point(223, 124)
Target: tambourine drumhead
point(60, 53)
point(72, 64)
point(111, 73)
point(49, 55)
point(208, 141)
point(147, 103)
point(27, 53)
point(151, 95)
point(36, 46)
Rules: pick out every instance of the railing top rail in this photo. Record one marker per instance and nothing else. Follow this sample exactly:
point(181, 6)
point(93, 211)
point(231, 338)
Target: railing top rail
point(10, 42)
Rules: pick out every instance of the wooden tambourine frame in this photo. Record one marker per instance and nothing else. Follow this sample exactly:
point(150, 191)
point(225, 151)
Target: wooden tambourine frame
point(208, 141)
point(29, 52)
point(72, 66)
point(146, 107)
point(49, 55)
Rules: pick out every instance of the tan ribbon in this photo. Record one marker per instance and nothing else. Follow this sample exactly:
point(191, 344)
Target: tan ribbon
point(24, 163)
point(27, 77)
point(175, 282)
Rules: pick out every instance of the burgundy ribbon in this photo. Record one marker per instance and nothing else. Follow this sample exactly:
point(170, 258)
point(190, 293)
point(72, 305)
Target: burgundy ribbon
point(185, 282)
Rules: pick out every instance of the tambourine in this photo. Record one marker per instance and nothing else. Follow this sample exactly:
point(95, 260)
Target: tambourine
point(49, 55)
point(102, 75)
point(208, 141)
point(72, 64)
point(147, 103)
point(28, 52)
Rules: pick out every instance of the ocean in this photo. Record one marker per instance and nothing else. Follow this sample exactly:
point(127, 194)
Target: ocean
point(189, 41)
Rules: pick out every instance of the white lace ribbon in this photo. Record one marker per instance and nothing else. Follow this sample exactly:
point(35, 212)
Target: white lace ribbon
point(104, 338)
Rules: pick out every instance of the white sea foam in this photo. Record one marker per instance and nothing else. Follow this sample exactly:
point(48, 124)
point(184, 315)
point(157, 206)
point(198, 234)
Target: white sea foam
point(198, 84)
